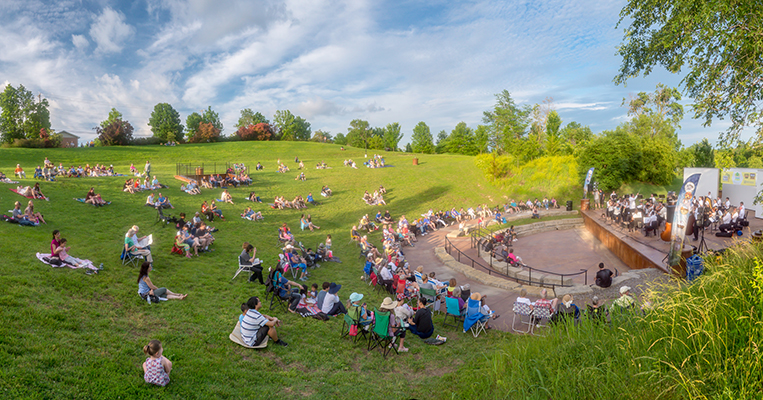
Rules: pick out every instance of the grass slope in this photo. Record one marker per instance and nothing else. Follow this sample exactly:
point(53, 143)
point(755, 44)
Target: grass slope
point(64, 334)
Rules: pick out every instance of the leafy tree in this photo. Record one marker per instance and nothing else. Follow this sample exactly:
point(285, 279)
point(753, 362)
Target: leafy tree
point(22, 116)
point(421, 141)
point(206, 133)
point(575, 135)
point(114, 115)
point(616, 155)
point(658, 160)
point(460, 140)
point(408, 148)
point(481, 138)
point(507, 123)
point(291, 127)
point(661, 107)
point(554, 139)
point(249, 117)
point(322, 137)
point(392, 136)
point(376, 143)
point(114, 131)
point(194, 120)
point(718, 45)
point(704, 157)
point(359, 133)
point(260, 131)
point(340, 139)
point(165, 123)
point(441, 142)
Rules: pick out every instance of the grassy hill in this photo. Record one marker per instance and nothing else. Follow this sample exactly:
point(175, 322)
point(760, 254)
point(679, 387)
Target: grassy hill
point(64, 334)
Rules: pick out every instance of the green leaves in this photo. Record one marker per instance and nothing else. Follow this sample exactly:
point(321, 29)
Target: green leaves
point(165, 123)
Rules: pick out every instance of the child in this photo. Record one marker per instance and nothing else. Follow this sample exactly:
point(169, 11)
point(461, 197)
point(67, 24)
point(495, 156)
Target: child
point(157, 368)
point(244, 309)
point(328, 242)
point(66, 258)
point(312, 294)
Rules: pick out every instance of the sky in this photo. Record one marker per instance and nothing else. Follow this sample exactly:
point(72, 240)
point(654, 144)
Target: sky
point(441, 62)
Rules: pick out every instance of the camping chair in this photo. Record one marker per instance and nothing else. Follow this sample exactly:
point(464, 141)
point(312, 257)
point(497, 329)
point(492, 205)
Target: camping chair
point(430, 294)
point(475, 321)
point(452, 310)
point(540, 319)
point(129, 258)
point(235, 337)
point(160, 217)
point(522, 310)
point(380, 336)
point(246, 267)
point(363, 330)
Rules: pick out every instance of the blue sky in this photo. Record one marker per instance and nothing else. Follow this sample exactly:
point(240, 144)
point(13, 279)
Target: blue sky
point(330, 62)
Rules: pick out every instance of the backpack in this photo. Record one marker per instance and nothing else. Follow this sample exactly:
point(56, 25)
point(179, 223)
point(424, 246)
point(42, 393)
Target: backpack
point(270, 282)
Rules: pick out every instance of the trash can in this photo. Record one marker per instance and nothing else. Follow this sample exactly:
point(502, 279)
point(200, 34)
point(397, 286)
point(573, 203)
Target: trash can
point(569, 205)
point(415, 161)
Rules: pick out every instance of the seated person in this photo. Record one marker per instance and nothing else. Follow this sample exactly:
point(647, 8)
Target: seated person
point(19, 172)
point(566, 310)
point(95, 199)
point(359, 312)
point(131, 244)
point(421, 322)
point(331, 303)
point(150, 201)
point(597, 312)
point(38, 173)
point(163, 201)
point(255, 327)
point(603, 277)
point(226, 197)
point(310, 199)
point(214, 209)
point(296, 261)
point(625, 300)
point(544, 302)
point(253, 197)
point(248, 257)
point(325, 191)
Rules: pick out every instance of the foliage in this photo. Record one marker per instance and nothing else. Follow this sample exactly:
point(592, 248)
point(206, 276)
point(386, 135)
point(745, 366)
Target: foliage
point(322, 137)
point(460, 141)
point(494, 166)
point(421, 141)
point(376, 143)
point(704, 157)
point(193, 122)
point(554, 139)
point(249, 117)
point(114, 115)
point(146, 141)
point(165, 123)
point(658, 160)
point(290, 127)
point(206, 133)
point(718, 45)
point(507, 123)
point(663, 102)
point(359, 133)
point(575, 136)
point(261, 131)
point(22, 116)
point(616, 155)
point(114, 132)
point(340, 139)
point(553, 176)
point(392, 136)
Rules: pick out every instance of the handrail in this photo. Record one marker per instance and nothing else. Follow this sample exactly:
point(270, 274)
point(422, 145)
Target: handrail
point(449, 247)
point(476, 243)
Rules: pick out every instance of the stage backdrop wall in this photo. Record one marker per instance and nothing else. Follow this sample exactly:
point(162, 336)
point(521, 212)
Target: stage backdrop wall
point(742, 184)
point(708, 181)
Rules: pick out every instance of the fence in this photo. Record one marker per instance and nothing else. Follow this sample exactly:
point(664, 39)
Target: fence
point(199, 170)
point(490, 270)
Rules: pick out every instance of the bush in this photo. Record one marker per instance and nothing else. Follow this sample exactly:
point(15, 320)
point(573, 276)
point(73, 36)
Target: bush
point(145, 141)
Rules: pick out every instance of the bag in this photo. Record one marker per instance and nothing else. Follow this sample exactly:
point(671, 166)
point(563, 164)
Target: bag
point(724, 234)
point(321, 316)
point(744, 222)
point(353, 330)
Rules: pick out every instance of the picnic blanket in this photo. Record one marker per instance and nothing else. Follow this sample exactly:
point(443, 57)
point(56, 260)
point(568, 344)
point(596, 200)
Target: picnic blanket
point(28, 197)
point(82, 200)
point(308, 309)
point(46, 257)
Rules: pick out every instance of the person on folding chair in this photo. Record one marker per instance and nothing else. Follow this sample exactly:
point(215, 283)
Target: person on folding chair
point(421, 323)
point(131, 244)
point(255, 327)
point(288, 290)
point(247, 257)
point(394, 323)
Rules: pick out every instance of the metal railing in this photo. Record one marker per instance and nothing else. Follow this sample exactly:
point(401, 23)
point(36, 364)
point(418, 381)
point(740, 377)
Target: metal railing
point(490, 270)
point(200, 170)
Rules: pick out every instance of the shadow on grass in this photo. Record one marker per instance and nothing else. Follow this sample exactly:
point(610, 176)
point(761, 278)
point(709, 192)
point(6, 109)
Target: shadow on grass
point(407, 204)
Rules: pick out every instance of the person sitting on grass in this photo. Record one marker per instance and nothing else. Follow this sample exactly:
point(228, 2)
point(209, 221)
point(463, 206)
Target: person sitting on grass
point(217, 211)
point(255, 327)
point(284, 234)
point(310, 199)
point(156, 368)
point(310, 223)
point(325, 191)
point(300, 177)
point(146, 287)
point(37, 192)
point(163, 202)
point(359, 312)
point(31, 215)
point(331, 303)
point(253, 197)
point(63, 254)
point(421, 323)
point(226, 197)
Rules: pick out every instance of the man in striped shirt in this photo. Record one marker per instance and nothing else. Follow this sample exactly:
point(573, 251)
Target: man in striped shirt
point(255, 326)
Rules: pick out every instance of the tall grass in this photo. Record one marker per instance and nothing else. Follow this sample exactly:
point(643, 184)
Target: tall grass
point(699, 341)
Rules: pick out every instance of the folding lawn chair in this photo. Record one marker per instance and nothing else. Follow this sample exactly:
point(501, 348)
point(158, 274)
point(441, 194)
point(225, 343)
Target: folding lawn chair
point(452, 310)
point(129, 258)
point(361, 332)
point(246, 267)
point(430, 294)
point(380, 336)
point(475, 321)
point(522, 310)
point(542, 316)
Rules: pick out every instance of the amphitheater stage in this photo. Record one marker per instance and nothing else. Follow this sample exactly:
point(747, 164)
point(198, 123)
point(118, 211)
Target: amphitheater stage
point(637, 251)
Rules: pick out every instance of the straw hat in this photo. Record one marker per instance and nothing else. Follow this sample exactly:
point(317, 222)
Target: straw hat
point(387, 303)
point(625, 289)
point(476, 296)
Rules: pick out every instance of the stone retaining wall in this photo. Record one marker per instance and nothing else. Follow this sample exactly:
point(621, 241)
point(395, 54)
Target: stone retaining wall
point(518, 229)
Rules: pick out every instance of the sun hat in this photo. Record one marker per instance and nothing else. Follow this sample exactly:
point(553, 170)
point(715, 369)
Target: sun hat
point(625, 289)
point(567, 298)
point(476, 296)
point(334, 287)
point(378, 260)
point(387, 303)
point(356, 297)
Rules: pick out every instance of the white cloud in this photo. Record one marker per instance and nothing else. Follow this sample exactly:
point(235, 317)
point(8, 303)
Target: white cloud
point(317, 106)
point(109, 31)
point(80, 42)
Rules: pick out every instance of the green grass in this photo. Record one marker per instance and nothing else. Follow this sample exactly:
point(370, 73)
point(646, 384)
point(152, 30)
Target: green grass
point(64, 334)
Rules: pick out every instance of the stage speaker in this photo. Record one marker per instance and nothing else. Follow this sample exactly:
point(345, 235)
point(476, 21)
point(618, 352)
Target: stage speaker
point(671, 210)
point(569, 205)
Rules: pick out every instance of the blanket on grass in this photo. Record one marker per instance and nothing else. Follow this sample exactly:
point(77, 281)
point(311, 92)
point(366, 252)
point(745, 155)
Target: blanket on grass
point(28, 197)
point(45, 258)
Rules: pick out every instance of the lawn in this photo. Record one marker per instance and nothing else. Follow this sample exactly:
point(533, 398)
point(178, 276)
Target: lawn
point(64, 334)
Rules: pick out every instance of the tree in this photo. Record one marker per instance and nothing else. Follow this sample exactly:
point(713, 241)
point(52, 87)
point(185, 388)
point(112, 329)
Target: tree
point(194, 120)
point(662, 107)
point(408, 148)
point(359, 133)
point(718, 45)
point(460, 140)
point(574, 136)
point(206, 133)
point(703, 154)
point(421, 141)
point(340, 139)
point(114, 115)
point(392, 136)
point(115, 132)
point(554, 139)
point(165, 123)
point(481, 138)
point(616, 155)
point(441, 142)
point(507, 122)
point(376, 143)
point(291, 127)
point(22, 116)
point(321, 137)
point(260, 131)
point(249, 117)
